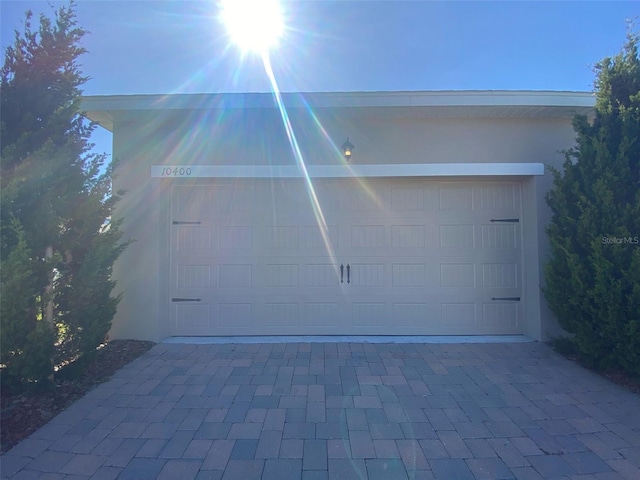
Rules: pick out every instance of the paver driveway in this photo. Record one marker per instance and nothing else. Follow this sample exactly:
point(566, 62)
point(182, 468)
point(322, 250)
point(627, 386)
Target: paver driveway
point(342, 411)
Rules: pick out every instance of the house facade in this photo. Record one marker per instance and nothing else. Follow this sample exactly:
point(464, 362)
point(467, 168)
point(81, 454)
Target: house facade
point(248, 219)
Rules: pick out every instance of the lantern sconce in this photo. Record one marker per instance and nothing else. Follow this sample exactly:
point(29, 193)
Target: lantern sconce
point(347, 149)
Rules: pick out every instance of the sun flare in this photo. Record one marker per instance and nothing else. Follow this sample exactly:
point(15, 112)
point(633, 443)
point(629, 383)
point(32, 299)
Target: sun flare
point(253, 25)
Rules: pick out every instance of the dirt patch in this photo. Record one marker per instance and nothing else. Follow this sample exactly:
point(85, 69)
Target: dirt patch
point(23, 414)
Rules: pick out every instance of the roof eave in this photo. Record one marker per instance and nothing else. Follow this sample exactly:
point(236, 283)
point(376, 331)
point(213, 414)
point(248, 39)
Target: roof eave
point(103, 109)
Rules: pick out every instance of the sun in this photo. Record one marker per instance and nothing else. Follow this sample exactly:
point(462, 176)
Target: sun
point(253, 25)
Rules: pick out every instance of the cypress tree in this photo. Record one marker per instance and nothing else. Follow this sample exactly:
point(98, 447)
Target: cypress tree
point(58, 240)
point(593, 276)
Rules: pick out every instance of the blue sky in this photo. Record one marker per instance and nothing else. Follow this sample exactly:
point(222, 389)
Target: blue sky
point(180, 46)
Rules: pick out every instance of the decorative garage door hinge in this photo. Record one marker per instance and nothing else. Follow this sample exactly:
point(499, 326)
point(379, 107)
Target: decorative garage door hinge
point(506, 220)
point(506, 299)
point(185, 299)
point(182, 222)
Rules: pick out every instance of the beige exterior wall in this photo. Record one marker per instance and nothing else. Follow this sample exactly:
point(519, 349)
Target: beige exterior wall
point(204, 137)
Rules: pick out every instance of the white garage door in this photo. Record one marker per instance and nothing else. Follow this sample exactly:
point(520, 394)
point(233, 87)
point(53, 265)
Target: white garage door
point(408, 256)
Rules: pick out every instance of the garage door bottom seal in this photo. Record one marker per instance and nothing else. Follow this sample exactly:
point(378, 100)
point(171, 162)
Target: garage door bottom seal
point(441, 339)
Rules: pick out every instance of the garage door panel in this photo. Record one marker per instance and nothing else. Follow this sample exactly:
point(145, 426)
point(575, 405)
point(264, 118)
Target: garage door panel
point(455, 315)
point(502, 197)
point(368, 236)
point(409, 275)
point(192, 319)
point(364, 274)
point(409, 236)
point(414, 315)
point(455, 199)
point(327, 197)
point(194, 240)
point(234, 237)
point(280, 314)
point(358, 199)
point(423, 257)
point(319, 275)
point(500, 275)
point(282, 275)
point(236, 315)
point(198, 276)
point(407, 198)
point(280, 197)
point(234, 275)
point(500, 316)
point(295, 238)
point(457, 275)
point(369, 314)
point(320, 314)
point(459, 236)
point(281, 236)
point(315, 237)
point(190, 201)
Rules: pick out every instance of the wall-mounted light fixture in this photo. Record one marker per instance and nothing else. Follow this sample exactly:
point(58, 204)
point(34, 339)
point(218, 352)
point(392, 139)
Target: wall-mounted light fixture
point(347, 149)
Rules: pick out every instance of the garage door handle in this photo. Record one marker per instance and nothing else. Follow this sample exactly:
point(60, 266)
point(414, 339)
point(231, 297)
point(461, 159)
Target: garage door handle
point(183, 222)
point(508, 299)
point(348, 273)
point(341, 273)
point(185, 300)
point(507, 220)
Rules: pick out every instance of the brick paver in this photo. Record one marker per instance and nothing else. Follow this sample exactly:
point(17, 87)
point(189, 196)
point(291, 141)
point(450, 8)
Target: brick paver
point(327, 411)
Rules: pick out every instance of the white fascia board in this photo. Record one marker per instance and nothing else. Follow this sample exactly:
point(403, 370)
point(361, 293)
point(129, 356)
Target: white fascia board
point(503, 98)
point(348, 171)
point(490, 98)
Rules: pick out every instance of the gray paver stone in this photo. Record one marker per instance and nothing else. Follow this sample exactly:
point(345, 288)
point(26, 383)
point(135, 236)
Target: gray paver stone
point(177, 445)
point(299, 430)
point(361, 444)
point(384, 469)
point(315, 475)
point(180, 469)
point(386, 449)
point(142, 469)
point(625, 468)
point(83, 464)
point(218, 455)
point(586, 462)
point(244, 449)
point(107, 473)
point(479, 448)
point(454, 445)
point(291, 448)
point(49, 461)
point(315, 454)
point(243, 469)
point(389, 431)
point(198, 448)
point(346, 469)
point(269, 444)
point(488, 468)
point(549, 465)
point(450, 468)
point(412, 455)
point(282, 469)
point(11, 464)
point(30, 447)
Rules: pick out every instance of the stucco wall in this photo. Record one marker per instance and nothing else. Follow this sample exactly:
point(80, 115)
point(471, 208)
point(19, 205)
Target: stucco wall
point(257, 137)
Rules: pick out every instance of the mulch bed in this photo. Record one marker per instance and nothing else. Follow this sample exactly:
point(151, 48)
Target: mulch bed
point(24, 413)
point(630, 383)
